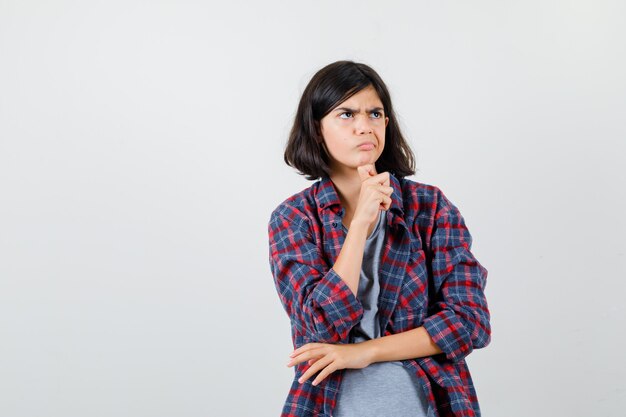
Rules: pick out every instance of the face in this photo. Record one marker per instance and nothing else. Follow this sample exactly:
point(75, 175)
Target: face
point(354, 131)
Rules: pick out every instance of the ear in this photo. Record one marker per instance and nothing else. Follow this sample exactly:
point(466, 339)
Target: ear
point(386, 121)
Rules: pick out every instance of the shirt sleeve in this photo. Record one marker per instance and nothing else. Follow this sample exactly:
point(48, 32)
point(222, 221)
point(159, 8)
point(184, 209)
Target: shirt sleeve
point(460, 316)
point(318, 302)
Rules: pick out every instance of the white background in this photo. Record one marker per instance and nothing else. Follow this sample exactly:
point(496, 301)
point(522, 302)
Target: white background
point(141, 153)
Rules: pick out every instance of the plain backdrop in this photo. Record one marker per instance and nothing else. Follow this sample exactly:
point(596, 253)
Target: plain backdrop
point(141, 153)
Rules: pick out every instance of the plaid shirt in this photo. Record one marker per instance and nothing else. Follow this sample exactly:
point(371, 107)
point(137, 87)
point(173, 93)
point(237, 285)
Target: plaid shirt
point(428, 277)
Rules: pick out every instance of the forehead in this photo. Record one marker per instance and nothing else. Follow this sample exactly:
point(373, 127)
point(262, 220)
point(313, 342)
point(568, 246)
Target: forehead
point(365, 97)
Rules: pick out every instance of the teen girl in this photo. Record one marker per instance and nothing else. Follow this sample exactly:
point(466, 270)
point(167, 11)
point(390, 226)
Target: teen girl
point(373, 269)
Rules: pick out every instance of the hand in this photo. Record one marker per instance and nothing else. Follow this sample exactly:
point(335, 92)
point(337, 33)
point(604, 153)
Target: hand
point(330, 357)
point(374, 195)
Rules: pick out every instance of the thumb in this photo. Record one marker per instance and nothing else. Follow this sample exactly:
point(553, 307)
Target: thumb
point(366, 171)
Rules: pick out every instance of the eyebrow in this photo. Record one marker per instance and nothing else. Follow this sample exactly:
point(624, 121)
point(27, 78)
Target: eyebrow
point(378, 109)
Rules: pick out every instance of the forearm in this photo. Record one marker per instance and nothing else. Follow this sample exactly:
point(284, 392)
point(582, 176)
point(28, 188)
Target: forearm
point(414, 343)
point(350, 258)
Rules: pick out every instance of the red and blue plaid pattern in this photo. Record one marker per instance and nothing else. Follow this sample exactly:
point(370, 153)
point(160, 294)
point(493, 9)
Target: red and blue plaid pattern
point(428, 277)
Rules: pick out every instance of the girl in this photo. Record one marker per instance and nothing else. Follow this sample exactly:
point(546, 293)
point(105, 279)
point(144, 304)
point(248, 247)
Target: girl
point(373, 269)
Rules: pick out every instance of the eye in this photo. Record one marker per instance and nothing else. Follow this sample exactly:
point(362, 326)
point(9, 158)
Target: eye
point(378, 113)
point(345, 112)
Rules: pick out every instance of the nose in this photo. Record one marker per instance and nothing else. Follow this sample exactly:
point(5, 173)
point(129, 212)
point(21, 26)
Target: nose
point(362, 125)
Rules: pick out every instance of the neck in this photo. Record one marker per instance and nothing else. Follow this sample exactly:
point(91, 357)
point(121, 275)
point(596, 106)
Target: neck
point(348, 187)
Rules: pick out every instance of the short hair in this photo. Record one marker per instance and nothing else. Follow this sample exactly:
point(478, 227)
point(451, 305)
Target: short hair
point(329, 87)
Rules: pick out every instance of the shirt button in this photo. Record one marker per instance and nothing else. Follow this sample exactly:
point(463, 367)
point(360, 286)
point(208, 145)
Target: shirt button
point(322, 205)
point(334, 224)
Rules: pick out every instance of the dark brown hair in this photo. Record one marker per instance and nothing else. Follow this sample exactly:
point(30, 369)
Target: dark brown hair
point(329, 87)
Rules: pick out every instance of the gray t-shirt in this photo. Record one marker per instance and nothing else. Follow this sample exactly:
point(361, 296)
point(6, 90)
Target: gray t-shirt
point(382, 388)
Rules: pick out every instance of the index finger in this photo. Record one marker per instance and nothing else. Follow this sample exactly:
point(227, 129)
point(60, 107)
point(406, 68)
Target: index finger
point(303, 348)
point(366, 171)
point(382, 178)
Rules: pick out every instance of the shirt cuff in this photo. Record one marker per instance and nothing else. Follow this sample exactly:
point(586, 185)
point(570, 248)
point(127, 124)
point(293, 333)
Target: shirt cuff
point(337, 307)
point(449, 333)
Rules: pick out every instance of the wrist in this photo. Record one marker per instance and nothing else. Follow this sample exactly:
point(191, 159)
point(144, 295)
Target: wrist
point(360, 224)
point(371, 349)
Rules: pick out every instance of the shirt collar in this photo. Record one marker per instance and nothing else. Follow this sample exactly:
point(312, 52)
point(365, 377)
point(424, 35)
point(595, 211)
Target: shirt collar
point(326, 195)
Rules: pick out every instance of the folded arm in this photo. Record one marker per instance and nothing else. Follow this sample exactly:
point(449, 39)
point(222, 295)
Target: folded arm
point(411, 344)
point(318, 302)
point(458, 320)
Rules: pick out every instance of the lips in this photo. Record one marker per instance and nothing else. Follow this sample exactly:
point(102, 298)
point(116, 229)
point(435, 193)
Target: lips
point(366, 146)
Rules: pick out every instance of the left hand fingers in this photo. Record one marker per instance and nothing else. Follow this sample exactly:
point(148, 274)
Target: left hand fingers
point(306, 355)
point(325, 372)
point(306, 347)
point(313, 369)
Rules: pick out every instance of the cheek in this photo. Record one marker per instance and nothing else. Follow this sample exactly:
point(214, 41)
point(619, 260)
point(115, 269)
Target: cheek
point(336, 146)
point(337, 139)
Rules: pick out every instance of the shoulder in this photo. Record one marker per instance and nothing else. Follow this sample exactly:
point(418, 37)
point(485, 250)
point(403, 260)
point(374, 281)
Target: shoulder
point(422, 199)
point(298, 208)
point(433, 215)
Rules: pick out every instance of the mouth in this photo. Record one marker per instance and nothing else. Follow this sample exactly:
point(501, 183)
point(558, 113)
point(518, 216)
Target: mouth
point(367, 146)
